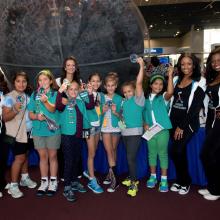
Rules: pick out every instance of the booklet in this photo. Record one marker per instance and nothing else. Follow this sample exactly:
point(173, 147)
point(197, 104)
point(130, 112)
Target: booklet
point(156, 128)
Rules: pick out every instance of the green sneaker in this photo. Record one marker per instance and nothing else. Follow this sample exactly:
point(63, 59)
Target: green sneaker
point(163, 186)
point(126, 182)
point(133, 189)
point(151, 182)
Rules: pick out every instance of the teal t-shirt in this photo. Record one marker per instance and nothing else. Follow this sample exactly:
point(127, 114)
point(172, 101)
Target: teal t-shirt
point(68, 117)
point(35, 105)
point(133, 113)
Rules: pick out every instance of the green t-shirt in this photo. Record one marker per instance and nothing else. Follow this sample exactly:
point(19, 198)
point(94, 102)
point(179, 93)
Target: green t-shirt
point(35, 105)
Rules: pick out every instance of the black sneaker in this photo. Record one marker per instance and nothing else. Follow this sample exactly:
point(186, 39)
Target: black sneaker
point(107, 180)
point(69, 194)
point(175, 187)
point(77, 186)
point(184, 190)
point(112, 187)
point(114, 184)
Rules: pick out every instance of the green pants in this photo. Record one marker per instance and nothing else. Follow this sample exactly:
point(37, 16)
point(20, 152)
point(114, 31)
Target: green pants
point(158, 146)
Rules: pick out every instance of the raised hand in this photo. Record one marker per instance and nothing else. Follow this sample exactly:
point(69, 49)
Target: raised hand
point(89, 88)
point(63, 87)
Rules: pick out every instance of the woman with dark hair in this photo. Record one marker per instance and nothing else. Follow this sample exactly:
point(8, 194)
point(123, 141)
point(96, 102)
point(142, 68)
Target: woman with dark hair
point(184, 114)
point(18, 125)
point(3, 148)
point(70, 71)
point(210, 154)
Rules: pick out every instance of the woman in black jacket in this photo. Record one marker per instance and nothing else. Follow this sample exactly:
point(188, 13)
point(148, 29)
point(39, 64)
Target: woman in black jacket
point(184, 114)
point(210, 154)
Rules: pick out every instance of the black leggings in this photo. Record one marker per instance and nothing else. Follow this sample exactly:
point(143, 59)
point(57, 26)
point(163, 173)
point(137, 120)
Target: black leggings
point(210, 156)
point(178, 154)
point(132, 144)
point(71, 151)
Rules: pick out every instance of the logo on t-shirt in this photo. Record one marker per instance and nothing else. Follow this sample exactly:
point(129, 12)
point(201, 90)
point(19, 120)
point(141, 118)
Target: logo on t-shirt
point(179, 104)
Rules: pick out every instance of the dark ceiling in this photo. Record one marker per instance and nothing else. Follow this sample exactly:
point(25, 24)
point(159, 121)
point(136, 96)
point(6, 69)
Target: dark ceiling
point(165, 21)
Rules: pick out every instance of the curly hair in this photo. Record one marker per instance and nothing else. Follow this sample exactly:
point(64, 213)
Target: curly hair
point(210, 72)
point(196, 75)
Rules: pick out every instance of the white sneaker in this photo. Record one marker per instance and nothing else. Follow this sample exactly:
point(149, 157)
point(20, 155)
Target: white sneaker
point(15, 192)
point(53, 185)
point(203, 192)
point(28, 182)
point(1, 195)
point(211, 197)
point(184, 190)
point(43, 187)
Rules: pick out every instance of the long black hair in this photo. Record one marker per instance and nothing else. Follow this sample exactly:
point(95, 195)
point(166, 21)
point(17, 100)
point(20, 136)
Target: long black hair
point(196, 75)
point(210, 72)
point(76, 74)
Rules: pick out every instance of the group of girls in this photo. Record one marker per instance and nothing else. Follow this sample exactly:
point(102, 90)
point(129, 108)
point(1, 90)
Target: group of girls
point(78, 109)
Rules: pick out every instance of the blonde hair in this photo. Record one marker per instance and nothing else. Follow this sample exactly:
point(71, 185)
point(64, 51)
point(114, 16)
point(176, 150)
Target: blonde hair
point(111, 76)
point(50, 76)
point(74, 82)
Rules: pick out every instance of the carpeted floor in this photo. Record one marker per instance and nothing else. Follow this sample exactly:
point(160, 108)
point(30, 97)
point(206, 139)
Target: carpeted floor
point(149, 204)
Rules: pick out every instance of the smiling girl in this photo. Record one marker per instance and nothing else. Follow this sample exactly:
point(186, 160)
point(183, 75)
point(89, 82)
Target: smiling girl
point(156, 112)
point(73, 120)
point(92, 142)
point(111, 104)
point(46, 141)
point(18, 125)
point(132, 115)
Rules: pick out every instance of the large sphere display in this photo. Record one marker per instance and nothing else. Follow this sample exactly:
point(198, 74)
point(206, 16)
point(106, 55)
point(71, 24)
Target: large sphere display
point(99, 33)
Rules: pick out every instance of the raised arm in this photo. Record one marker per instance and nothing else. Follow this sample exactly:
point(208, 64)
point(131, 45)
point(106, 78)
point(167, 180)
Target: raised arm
point(140, 76)
point(91, 104)
point(170, 87)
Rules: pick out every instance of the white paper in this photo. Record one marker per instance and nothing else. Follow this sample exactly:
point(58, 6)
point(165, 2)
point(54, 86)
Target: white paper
point(156, 128)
